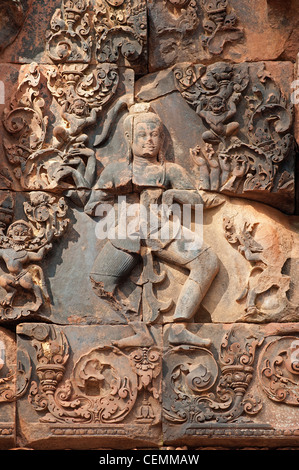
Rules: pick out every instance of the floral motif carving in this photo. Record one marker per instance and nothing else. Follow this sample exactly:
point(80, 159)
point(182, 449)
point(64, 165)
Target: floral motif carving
point(220, 25)
point(103, 385)
point(24, 121)
point(7, 377)
point(121, 31)
point(68, 40)
point(183, 17)
point(210, 389)
point(278, 370)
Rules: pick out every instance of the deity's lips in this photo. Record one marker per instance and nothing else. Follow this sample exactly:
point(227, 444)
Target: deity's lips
point(150, 148)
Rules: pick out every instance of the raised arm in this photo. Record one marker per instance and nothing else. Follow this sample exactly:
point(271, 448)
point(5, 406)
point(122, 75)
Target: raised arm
point(38, 256)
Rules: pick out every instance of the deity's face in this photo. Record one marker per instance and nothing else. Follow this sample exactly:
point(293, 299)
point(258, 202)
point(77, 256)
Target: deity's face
point(217, 105)
point(147, 138)
point(79, 108)
point(20, 233)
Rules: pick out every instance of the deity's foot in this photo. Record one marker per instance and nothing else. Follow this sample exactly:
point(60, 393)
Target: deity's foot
point(91, 206)
point(7, 301)
point(35, 307)
point(252, 310)
point(180, 335)
point(141, 338)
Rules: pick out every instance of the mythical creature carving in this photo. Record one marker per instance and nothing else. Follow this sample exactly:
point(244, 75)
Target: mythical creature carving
point(233, 158)
point(25, 243)
point(197, 27)
point(266, 272)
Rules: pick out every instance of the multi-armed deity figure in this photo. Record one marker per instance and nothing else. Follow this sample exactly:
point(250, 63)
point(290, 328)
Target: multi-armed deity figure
point(147, 173)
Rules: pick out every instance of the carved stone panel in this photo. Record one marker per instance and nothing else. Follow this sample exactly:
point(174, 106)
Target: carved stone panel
point(53, 122)
point(91, 387)
point(239, 387)
point(149, 245)
point(205, 30)
point(8, 391)
point(75, 32)
point(240, 126)
point(30, 225)
point(253, 240)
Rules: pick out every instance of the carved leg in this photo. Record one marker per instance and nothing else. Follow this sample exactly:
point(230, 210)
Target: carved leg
point(94, 201)
point(110, 268)
point(251, 307)
point(8, 283)
point(232, 128)
point(28, 284)
point(211, 138)
point(203, 269)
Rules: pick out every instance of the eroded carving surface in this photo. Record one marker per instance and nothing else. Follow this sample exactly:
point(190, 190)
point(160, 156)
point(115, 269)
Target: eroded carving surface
point(148, 239)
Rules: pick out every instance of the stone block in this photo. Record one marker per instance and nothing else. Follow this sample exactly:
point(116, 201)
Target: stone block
point(43, 118)
point(256, 248)
point(207, 30)
point(90, 387)
point(239, 390)
point(43, 237)
point(82, 32)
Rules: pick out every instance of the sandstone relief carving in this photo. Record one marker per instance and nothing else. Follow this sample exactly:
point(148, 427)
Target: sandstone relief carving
point(148, 239)
point(68, 40)
point(121, 32)
point(116, 381)
point(8, 385)
point(208, 390)
point(194, 372)
point(278, 369)
point(147, 172)
point(59, 157)
point(236, 160)
point(12, 18)
point(220, 25)
point(265, 273)
point(201, 28)
point(24, 243)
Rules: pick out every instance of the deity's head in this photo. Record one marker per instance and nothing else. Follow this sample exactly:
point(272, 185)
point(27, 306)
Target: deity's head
point(20, 232)
point(144, 132)
point(217, 105)
point(79, 107)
